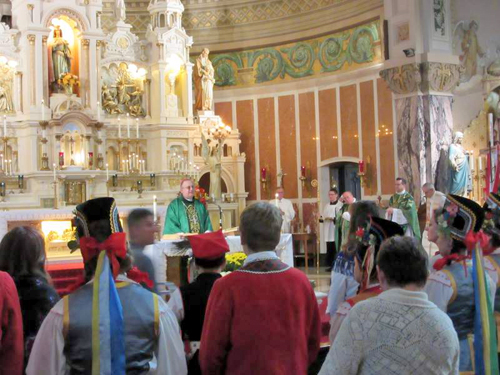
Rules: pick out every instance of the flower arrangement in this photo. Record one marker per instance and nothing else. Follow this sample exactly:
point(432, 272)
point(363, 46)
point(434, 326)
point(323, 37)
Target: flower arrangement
point(200, 194)
point(68, 80)
point(234, 261)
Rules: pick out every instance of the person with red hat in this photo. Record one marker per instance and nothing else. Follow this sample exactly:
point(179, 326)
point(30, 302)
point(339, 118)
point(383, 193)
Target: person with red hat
point(209, 251)
point(262, 318)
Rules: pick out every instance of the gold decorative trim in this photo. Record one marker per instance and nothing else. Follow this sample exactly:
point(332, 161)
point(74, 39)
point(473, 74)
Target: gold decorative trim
point(31, 38)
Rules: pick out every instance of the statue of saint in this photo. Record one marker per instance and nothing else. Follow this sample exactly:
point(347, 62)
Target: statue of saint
point(61, 54)
point(120, 10)
point(460, 178)
point(6, 104)
point(204, 82)
point(212, 157)
point(109, 101)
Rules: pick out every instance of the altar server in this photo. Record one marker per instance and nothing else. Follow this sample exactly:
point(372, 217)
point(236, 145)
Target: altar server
point(328, 219)
point(110, 325)
point(262, 318)
point(209, 251)
point(286, 209)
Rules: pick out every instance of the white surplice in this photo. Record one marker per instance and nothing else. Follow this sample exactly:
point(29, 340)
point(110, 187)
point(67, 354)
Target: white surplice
point(329, 214)
point(47, 356)
point(288, 213)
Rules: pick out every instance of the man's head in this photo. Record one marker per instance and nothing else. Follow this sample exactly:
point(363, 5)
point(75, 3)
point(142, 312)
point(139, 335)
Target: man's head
point(260, 227)
point(333, 194)
point(401, 263)
point(347, 197)
point(187, 189)
point(400, 185)
point(280, 192)
point(141, 227)
point(428, 190)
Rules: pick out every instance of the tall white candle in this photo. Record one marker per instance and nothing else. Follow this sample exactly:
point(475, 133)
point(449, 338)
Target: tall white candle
point(119, 128)
point(154, 207)
point(276, 200)
point(98, 111)
point(490, 123)
point(128, 126)
point(471, 160)
point(137, 128)
point(107, 172)
point(54, 168)
point(43, 110)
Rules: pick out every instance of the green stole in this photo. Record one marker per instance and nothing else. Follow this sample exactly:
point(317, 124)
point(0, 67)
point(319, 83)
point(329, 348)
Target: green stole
point(406, 204)
point(181, 219)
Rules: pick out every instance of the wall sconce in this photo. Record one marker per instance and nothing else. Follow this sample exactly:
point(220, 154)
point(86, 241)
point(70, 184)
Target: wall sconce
point(20, 182)
point(263, 178)
point(361, 173)
point(303, 175)
point(152, 179)
point(115, 180)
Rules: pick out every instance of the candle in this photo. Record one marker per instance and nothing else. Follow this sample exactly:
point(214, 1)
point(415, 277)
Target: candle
point(490, 123)
point(61, 159)
point(154, 208)
point(4, 125)
point(263, 173)
point(303, 171)
point(54, 168)
point(471, 159)
point(137, 127)
point(480, 162)
point(107, 172)
point(43, 110)
point(119, 128)
point(98, 112)
point(276, 200)
point(128, 126)
point(361, 165)
point(231, 197)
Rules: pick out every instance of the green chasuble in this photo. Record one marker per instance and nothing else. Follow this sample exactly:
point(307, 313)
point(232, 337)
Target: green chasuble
point(341, 228)
point(406, 204)
point(177, 220)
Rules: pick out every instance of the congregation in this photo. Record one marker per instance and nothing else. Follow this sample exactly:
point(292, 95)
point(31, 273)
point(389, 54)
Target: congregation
point(393, 309)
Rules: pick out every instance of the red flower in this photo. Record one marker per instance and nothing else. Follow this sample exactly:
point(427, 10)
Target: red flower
point(360, 232)
point(140, 277)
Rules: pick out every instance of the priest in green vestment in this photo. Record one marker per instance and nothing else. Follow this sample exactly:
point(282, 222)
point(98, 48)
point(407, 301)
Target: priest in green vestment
point(343, 220)
point(185, 214)
point(403, 210)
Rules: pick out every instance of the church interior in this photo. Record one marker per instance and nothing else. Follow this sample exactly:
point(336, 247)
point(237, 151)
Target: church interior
point(128, 98)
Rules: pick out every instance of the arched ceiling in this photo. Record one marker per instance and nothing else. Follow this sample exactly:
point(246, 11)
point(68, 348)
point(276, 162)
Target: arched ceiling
point(235, 24)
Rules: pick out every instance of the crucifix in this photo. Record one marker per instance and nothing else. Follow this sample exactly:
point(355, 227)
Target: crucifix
point(280, 176)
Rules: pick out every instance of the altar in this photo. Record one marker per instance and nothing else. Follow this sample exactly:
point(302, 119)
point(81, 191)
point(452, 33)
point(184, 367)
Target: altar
point(159, 252)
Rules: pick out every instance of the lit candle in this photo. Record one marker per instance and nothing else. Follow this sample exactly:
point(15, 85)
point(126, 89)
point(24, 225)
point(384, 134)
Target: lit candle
point(154, 208)
point(107, 172)
point(98, 111)
point(303, 171)
point(276, 200)
point(4, 125)
point(490, 122)
point(137, 128)
point(263, 173)
point(43, 110)
point(54, 168)
point(361, 165)
point(128, 126)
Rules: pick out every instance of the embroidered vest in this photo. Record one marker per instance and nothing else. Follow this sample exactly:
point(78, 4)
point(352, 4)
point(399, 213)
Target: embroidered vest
point(141, 320)
point(461, 307)
point(495, 260)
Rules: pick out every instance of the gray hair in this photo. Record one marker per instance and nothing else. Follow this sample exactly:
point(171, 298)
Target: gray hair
point(429, 186)
point(260, 226)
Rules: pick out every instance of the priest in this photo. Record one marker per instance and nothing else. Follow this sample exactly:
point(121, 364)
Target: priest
point(185, 214)
point(403, 211)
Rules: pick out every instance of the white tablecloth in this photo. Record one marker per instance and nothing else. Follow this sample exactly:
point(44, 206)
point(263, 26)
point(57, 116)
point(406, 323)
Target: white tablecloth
point(158, 252)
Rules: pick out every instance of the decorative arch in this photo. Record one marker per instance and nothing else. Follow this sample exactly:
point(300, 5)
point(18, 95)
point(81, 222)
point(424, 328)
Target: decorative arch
point(82, 20)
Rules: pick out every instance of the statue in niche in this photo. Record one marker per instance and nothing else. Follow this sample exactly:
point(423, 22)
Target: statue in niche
point(6, 104)
point(122, 84)
point(61, 54)
point(120, 10)
point(204, 82)
point(109, 101)
point(467, 33)
point(135, 103)
point(213, 157)
point(460, 177)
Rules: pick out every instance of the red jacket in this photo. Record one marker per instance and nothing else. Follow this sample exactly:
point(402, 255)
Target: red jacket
point(11, 329)
point(261, 319)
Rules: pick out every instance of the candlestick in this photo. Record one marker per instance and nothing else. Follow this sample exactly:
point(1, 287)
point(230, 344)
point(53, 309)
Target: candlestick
point(128, 126)
point(54, 168)
point(276, 200)
point(119, 128)
point(43, 110)
point(154, 208)
point(107, 172)
point(137, 128)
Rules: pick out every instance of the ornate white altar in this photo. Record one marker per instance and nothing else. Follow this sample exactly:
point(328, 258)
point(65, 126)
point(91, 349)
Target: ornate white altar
point(86, 113)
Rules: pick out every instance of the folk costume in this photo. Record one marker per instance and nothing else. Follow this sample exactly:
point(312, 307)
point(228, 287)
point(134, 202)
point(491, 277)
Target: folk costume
point(111, 325)
point(11, 327)
point(405, 213)
point(342, 221)
point(288, 213)
point(261, 319)
point(372, 237)
point(328, 219)
point(185, 216)
point(458, 285)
